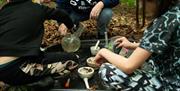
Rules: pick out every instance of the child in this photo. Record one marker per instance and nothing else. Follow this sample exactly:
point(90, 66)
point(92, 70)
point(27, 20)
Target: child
point(159, 51)
point(21, 32)
point(81, 10)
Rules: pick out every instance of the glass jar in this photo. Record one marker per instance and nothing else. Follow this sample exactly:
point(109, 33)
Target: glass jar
point(113, 46)
point(72, 42)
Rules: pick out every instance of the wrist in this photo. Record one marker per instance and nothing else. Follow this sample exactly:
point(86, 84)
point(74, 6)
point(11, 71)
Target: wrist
point(102, 51)
point(134, 45)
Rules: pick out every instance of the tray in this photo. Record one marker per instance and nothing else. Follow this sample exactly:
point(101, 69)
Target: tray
point(76, 83)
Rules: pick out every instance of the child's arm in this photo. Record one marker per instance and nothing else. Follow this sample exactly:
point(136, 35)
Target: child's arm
point(124, 42)
point(127, 65)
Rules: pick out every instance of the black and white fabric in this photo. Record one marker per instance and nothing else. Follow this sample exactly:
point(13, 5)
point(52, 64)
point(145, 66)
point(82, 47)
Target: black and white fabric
point(116, 79)
point(61, 68)
point(162, 69)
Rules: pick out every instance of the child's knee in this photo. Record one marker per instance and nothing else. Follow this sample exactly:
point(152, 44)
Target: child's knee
point(103, 71)
point(105, 66)
point(106, 13)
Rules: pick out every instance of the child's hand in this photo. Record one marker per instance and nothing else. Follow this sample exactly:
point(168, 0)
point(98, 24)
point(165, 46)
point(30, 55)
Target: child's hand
point(63, 29)
point(99, 60)
point(124, 42)
point(96, 10)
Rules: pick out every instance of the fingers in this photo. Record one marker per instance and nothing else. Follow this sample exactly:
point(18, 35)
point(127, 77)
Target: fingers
point(45, 1)
point(98, 57)
point(63, 29)
point(64, 32)
point(96, 10)
point(120, 39)
point(91, 15)
point(120, 42)
point(94, 14)
point(120, 45)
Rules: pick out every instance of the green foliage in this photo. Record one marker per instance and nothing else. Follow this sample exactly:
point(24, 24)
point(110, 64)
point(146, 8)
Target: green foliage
point(130, 3)
point(2, 3)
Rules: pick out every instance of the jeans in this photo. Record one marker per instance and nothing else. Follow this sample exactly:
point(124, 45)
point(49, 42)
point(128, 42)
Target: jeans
point(102, 21)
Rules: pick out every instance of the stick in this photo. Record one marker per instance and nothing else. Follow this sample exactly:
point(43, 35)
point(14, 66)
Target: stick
point(106, 39)
point(97, 44)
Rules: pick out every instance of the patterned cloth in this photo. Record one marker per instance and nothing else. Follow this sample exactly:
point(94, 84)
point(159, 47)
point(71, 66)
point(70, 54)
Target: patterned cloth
point(59, 68)
point(162, 70)
point(162, 38)
point(116, 79)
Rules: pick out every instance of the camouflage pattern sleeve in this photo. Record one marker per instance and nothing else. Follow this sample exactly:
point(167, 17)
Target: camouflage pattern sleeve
point(158, 35)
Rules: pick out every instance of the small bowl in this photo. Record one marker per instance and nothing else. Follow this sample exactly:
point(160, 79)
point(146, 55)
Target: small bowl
point(86, 72)
point(91, 63)
point(94, 51)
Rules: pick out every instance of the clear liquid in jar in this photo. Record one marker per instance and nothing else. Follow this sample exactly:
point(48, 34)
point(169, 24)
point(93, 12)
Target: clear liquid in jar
point(71, 44)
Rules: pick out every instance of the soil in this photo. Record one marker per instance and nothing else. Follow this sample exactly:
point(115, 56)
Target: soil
point(123, 23)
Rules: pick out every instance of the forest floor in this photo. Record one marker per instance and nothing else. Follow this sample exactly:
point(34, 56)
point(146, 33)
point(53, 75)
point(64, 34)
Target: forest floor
point(123, 23)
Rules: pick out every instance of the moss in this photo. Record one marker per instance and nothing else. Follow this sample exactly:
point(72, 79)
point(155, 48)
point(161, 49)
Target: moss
point(130, 3)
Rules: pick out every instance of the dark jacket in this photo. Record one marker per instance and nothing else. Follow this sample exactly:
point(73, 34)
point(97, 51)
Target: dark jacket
point(84, 7)
point(21, 27)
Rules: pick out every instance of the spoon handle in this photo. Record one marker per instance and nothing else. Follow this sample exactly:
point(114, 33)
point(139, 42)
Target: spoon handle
point(106, 39)
point(97, 44)
point(86, 82)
